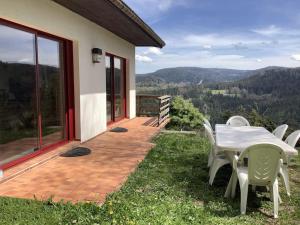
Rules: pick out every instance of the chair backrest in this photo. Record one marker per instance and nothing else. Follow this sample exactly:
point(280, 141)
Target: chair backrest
point(237, 121)
point(209, 134)
point(211, 138)
point(206, 121)
point(293, 138)
point(280, 131)
point(263, 163)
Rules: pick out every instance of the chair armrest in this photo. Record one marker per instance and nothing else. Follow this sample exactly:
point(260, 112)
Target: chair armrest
point(235, 162)
point(283, 163)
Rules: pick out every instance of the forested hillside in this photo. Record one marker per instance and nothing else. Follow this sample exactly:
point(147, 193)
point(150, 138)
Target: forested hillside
point(190, 75)
point(271, 95)
point(278, 82)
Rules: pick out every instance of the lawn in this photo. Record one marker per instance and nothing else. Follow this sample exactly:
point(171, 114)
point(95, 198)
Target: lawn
point(169, 187)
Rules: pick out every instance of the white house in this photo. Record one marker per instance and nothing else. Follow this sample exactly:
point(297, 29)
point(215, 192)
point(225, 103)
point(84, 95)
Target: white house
point(67, 69)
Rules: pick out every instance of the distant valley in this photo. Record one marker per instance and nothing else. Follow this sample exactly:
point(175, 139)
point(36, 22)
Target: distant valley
point(270, 94)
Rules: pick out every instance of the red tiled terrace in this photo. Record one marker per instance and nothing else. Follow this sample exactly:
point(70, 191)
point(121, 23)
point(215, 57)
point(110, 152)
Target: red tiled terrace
point(87, 178)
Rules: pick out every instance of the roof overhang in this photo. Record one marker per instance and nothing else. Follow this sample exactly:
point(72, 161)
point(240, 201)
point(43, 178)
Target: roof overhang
point(117, 17)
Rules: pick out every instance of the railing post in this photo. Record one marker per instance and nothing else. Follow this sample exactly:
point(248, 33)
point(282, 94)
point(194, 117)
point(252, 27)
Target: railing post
point(154, 106)
point(164, 108)
point(159, 112)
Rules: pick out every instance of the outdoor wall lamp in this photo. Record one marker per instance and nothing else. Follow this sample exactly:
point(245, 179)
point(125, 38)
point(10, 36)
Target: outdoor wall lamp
point(96, 54)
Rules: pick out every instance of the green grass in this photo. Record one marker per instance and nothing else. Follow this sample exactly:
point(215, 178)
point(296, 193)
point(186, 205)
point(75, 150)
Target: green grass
point(169, 187)
point(222, 92)
point(218, 92)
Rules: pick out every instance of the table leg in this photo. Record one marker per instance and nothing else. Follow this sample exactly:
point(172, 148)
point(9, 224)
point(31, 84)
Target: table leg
point(229, 156)
point(233, 184)
point(229, 186)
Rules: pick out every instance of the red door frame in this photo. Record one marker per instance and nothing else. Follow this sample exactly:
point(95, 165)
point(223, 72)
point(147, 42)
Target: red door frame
point(112, 56)
point(69, 89)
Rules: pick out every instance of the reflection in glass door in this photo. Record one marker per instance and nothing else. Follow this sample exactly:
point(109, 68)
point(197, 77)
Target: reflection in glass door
point(52, 93)
point(119, 88)
point(115, 88)
point(108, 89)
point(32, 93)
point(18, 109)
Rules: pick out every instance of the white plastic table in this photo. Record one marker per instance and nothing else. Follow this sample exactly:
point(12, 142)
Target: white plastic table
point(233, 140)
point(237, 139)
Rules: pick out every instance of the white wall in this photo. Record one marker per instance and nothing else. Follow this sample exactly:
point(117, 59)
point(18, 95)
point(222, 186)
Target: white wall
point(90, 79)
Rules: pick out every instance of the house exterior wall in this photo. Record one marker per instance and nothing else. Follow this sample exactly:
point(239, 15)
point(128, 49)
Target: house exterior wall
point(89, 78)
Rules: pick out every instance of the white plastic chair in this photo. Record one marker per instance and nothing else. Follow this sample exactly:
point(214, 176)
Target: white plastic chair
point(280, 131)
point(291, 140)
point(217, 159)
point(210, 157)
point(206, 121)
point(208, 130)
point(263, 167)
point(237, 121)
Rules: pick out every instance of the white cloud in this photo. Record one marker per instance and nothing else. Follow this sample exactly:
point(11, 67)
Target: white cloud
point(217, 40)
point(153, 50)
point(237, 50)
point(143, 58)
point(153, 9)
point(143, 55)
point(165, 4)
point(240, 45)
point(210, 59)
point(268, 31)
point(296, 57)
point(25, 60)
point(207, 46)
point(229, 57)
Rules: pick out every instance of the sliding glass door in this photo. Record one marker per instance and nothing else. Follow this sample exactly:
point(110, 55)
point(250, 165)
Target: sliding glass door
point(51, 91)
point(115, 88)
point(32, 93)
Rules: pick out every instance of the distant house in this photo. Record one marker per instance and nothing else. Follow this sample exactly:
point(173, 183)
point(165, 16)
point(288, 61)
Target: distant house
point(67, 69)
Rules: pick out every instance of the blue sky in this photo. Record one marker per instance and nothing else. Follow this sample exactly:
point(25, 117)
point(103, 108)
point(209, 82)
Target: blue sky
point(239, 34)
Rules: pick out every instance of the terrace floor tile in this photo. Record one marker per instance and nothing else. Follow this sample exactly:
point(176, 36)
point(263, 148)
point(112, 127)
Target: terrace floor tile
point(87, 178)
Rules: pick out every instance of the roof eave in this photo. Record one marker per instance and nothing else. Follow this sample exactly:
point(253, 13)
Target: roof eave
point(131, 14)
point(117, 17)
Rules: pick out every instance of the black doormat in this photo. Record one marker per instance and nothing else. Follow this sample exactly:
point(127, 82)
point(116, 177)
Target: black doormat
point(76, 152)
point(119, 130)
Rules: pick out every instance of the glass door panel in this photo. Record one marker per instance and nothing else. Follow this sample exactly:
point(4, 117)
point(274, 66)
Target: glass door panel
point(18, 109)
point(52, 91)
point(109, 102)
point(119, 88)
point(115, 88)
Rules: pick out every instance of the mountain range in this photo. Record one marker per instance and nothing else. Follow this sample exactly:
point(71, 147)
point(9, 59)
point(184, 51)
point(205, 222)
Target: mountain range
point(198, 75)
point(283, 82)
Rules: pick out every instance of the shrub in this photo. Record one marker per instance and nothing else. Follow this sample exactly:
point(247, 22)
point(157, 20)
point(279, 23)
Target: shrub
point(184, 115)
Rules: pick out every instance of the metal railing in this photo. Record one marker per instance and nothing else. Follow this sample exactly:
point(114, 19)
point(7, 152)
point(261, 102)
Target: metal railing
point(153, 105)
